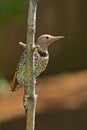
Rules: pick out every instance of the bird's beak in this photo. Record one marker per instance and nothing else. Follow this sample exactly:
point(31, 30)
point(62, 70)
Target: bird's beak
point(57, 37)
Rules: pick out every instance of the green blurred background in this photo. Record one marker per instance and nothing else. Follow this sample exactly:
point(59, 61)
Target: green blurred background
point(56, 17)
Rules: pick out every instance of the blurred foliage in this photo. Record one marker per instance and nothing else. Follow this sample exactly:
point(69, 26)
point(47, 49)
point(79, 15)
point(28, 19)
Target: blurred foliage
point(11, 14)
point(1, 40)
point(11, 10)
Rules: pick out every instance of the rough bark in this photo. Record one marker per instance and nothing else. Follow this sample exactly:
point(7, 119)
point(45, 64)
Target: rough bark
point(31, 25)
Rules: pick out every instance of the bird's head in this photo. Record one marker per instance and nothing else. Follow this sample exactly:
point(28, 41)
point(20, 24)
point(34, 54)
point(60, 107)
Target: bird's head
point(45, 40)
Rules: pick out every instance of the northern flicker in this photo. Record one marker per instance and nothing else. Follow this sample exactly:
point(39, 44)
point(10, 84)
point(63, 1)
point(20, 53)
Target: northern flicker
point(41, 57)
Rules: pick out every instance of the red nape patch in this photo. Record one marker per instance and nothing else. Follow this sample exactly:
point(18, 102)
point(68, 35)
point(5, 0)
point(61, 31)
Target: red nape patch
point(48, 42)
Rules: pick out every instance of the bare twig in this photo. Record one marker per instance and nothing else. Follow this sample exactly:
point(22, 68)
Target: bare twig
point(22, 44)
point(31, 24)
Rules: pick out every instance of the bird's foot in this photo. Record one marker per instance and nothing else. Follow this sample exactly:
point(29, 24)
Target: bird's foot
point(25, 104)
point(25, 101)
point(34, 47)
point(26, 96)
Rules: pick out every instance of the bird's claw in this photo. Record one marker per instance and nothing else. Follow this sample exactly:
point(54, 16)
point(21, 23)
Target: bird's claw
point(25, 106)
point(25, 102)
point(27, 96)
point(34, 47)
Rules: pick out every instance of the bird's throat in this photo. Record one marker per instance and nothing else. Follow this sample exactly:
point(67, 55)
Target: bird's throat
point(42, 53)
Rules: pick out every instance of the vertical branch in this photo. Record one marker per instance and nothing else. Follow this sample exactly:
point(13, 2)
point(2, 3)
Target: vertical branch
point(31, 24)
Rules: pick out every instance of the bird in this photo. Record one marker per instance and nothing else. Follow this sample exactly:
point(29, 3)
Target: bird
point(41, 58)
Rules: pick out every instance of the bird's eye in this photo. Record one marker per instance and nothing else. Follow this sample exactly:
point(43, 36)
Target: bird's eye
point(47, 37)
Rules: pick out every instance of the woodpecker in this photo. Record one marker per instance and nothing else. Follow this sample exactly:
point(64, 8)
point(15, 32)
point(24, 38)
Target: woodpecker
point(41, 58)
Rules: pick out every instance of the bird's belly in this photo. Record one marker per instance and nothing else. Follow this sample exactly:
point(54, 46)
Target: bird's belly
point(40, 66)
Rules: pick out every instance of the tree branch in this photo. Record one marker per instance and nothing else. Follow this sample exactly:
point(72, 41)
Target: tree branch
point(30, 67)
